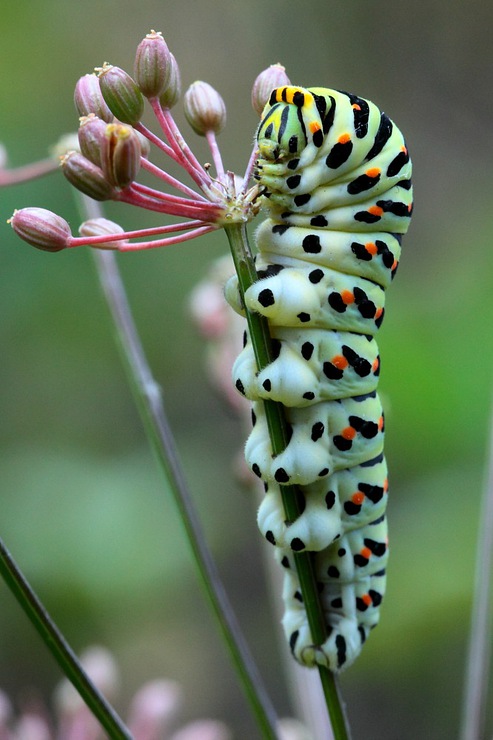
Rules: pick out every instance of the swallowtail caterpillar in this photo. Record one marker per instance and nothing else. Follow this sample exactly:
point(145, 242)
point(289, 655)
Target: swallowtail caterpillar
point(336, 179)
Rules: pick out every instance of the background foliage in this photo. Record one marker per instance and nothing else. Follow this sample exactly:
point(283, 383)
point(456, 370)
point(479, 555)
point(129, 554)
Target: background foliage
point(81, 501)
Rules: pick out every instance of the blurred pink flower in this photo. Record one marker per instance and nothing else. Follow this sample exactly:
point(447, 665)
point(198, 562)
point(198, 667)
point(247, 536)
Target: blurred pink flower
point(152, 714)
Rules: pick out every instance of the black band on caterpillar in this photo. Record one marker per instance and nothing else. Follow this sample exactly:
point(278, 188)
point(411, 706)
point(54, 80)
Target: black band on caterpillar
point(336, 177)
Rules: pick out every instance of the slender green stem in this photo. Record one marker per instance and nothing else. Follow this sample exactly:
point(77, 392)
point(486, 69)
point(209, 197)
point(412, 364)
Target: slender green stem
point(59, 648)
point(476, 675)
point(149, 400)
point(260, 337)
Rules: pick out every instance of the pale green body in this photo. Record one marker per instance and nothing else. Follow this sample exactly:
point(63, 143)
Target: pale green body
point(337, 182)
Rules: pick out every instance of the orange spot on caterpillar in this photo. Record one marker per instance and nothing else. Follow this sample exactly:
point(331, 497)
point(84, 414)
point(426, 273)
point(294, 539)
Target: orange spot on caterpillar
point(386, 485)
point(371, 247)
point(410, 207)
point(404, 149)
point(347, 296)
point(314, 127)
point(355, 106)
point(366, 599)
point(348, 433)
point(380, 423)
point(394, 265)
point(358, 498)
point(378, 313)
point(365, 552)
point(376, 364)
point(375, 210)
point(373, 172)
point(339, 361)
point(343, 139)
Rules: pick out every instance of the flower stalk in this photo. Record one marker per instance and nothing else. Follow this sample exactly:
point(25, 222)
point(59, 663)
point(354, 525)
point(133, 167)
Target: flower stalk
point(181, 152)
point(170, 180)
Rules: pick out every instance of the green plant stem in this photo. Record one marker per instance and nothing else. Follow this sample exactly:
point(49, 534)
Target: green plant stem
point(149, 400)
point(59, 648)
point(261, 342)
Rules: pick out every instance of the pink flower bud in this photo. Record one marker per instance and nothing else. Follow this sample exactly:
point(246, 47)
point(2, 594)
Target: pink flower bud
point(89, 99)
point(204, 108)
point(91, 134)
point(32, 725)
point(86, 176)
point(171, 94)
point(152, 65)
point(102, 227)
point(120, 155)
point(272, 77)
point(121, 94)
point(154, 708)
point(41, 228)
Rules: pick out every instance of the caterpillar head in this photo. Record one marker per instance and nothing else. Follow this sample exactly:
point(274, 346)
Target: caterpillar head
point(290, 121)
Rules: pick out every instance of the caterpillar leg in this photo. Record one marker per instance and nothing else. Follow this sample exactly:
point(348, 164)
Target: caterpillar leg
point(351, 577)
point(317, 527)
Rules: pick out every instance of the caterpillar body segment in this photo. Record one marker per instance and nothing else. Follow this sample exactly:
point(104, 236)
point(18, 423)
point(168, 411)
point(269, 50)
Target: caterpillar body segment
point(325, 437)
point(330, 300)
point(374, 256)
point(336, 178)
point(347, 500)
point(309, 369)
point(351, 581)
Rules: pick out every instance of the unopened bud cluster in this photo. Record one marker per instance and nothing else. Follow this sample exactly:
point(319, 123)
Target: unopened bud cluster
point(114, 145)
point(110, 151)
point(108, 100)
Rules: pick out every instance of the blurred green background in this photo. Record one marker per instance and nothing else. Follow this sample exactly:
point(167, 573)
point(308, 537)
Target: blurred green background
point(83, 508)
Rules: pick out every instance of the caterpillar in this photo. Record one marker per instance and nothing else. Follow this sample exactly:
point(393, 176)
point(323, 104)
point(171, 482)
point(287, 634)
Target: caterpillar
point(335, 175)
